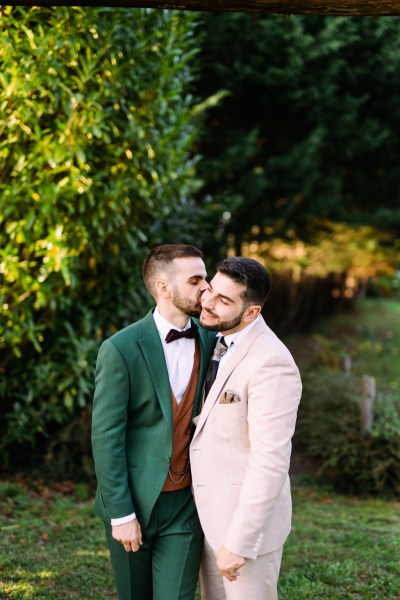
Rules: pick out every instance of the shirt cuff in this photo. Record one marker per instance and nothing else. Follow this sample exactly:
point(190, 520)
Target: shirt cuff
point(123, 520)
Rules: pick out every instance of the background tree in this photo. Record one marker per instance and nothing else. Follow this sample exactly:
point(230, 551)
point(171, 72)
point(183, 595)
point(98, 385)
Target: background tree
point(300, 152)
point(308, 126)
point(95, 138)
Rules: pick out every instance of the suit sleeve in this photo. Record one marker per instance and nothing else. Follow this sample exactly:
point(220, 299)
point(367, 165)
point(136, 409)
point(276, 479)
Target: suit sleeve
point(109, 420)
point(273, 398)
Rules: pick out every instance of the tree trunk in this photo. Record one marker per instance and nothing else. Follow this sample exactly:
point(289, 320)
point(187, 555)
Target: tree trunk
point(300, 7)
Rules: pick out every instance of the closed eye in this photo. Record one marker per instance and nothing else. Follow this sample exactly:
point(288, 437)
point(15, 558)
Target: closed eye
point(195, 280)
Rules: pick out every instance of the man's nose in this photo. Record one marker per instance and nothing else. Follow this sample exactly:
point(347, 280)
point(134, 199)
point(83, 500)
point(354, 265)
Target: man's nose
point(204, 286)
point(207, 299)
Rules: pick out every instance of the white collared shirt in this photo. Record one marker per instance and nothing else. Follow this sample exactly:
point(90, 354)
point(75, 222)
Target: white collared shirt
point(233, 340)
point(179, 355)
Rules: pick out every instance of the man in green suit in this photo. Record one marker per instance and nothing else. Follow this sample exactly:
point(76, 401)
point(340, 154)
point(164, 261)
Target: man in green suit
point(149, 378)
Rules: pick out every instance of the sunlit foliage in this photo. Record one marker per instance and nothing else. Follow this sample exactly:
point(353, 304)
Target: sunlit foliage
point(95, 135)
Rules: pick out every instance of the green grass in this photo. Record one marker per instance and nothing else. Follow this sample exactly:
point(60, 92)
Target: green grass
point(341, 548)
point(52, 547)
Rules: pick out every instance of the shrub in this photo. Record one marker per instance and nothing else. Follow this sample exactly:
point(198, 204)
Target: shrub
point(97, 166)
point(329, 430)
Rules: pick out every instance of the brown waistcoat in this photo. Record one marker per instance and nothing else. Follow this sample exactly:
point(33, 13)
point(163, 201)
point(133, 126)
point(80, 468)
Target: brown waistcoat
point(182, 418)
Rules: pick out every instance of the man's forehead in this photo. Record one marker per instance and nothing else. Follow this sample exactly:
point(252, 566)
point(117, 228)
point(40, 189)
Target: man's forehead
point(224, 285)
point(190, 266)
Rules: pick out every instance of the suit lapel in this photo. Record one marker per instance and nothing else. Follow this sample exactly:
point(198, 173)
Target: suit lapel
point(227, 369)
point(155, 361)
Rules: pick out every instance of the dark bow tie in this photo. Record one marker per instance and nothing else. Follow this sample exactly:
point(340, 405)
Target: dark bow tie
point(174, 334)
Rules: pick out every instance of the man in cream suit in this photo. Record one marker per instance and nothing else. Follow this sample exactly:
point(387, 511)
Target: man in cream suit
point(149, 378)
point(240, 452)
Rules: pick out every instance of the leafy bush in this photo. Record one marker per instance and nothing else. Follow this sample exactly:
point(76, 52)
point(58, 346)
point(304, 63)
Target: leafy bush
point(96, 153)
point(329, 430)
point(69, 452)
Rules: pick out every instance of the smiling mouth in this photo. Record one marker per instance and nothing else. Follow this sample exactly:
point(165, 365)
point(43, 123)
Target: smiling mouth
point(207, 314)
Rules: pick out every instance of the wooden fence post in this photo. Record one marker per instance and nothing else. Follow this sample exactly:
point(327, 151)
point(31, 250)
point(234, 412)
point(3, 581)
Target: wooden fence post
point(367, 402)
point(346, 363)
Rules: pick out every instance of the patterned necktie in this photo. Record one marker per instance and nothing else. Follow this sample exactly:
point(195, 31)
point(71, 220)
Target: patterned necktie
point(174, 334)
point(219, 351)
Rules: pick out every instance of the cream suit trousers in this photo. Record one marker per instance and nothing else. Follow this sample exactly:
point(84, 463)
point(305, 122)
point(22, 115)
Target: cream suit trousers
point(258, 579)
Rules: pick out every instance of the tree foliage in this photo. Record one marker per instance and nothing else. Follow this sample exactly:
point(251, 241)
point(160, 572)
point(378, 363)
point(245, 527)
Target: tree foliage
point(95, 138)
point(308, 126)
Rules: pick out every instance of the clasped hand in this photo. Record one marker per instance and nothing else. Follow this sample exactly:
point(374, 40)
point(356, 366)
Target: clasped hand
point(129, 535)
point(229, 563)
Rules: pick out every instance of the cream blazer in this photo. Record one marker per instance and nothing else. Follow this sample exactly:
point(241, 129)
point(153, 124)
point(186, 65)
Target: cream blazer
point(240, 452)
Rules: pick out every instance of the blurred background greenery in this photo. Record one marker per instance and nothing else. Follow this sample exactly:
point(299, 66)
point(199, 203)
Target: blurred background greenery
point(267, 136)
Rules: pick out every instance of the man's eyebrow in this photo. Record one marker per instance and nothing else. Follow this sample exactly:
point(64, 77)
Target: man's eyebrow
point(223, 296)
point(195, 277)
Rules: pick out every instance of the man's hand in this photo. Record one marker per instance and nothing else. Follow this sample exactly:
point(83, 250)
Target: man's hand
point(129, 535)
point(229, 564)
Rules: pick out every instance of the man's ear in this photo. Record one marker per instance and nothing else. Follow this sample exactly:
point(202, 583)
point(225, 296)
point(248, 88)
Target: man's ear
point(163, 288)
point(251, 313)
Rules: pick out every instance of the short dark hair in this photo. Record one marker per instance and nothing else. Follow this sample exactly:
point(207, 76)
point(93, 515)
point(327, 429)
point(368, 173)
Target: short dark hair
point(160, 259)
point(249, 273)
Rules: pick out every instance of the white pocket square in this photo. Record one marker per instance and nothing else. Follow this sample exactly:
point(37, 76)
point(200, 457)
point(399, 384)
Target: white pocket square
point(228, 397)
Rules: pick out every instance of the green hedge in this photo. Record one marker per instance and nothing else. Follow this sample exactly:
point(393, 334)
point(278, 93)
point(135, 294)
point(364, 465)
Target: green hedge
point(97, 166)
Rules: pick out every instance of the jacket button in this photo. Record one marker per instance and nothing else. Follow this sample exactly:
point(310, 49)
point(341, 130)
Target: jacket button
point(167, 459)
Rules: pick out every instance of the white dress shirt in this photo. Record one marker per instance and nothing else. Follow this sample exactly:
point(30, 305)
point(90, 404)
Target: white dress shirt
point(233, 340)
point(179, 356)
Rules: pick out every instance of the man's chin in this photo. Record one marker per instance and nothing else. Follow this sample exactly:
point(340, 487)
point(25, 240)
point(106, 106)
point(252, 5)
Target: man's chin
point(208, 326)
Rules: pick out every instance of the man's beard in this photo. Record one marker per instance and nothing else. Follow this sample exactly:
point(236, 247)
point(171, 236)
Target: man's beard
point(224, 325)
point(192, 308)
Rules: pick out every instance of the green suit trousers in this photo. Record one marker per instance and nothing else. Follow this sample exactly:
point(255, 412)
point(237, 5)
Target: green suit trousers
point(166, 567)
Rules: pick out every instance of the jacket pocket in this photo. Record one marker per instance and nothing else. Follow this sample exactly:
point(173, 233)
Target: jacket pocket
point(230, 419)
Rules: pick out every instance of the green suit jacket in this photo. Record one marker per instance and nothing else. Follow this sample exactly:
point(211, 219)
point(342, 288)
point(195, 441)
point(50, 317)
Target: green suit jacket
point(132, 424)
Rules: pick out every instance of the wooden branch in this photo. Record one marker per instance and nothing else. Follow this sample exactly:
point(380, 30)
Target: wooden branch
point(300, 7)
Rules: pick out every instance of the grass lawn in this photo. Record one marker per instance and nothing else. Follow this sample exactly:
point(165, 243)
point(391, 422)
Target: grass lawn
point(52, 546)
point(341, 547)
